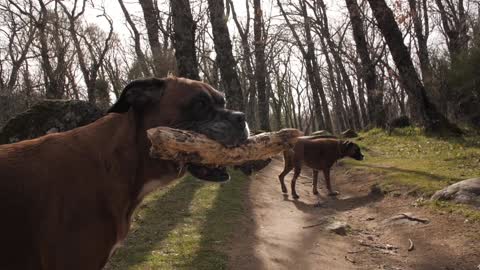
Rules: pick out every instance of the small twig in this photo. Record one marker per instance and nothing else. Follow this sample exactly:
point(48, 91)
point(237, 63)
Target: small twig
point(422, 220)
point(314, 225)
point(355, 251)
point(350, 260)
point(386, 247)
point(412, 246)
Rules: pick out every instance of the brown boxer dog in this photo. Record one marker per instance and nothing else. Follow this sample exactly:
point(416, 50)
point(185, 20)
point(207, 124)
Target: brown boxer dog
point(318, 154)
point(66, 199)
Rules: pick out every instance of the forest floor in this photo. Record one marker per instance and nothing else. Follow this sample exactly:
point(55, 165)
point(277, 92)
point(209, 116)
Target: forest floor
point(249, 224)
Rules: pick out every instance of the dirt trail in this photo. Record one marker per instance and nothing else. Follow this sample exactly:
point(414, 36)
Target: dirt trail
point(274, 233)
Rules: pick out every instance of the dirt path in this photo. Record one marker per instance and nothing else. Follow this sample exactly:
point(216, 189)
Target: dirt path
point(274, 233)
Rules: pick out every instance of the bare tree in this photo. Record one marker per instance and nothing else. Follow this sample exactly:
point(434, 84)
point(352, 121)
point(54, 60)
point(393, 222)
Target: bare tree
point(260, 68)
point(184, 36)
point(322, 25)
point(309, 65)
point(151, 23)
point(19, 35)
point(374, 93)
point(142, 60)
point(425, 111)
point(244, 33)
point(95, 48)
point(421, 27)
point(226, 62)
point(454, 23)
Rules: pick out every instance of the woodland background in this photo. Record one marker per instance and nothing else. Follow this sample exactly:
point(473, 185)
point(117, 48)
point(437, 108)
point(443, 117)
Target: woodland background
point(308, 64)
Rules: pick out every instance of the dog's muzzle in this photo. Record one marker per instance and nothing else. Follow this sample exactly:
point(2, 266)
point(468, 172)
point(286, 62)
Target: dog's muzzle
point(231, 130)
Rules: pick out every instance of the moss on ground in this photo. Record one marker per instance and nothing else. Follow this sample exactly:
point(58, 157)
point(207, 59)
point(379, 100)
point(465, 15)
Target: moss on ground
point(409, 160)
point(184, 226)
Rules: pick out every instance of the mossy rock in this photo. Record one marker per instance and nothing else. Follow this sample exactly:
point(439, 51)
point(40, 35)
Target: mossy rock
point(49, 116)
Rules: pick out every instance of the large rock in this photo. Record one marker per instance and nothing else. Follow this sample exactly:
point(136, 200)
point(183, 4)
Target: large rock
point(49, 116)
point(466, 191)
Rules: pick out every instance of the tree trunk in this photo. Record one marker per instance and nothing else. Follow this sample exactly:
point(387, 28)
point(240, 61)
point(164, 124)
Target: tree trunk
point(424, 109)
point(260, 68)
point(361, 92)
point(327, 120)
point(151, 23)
point(374, 93)
point(317, 108)
point(422, 38)
point(226, 62)
point(323, 25)
point(184, 28)
point(142, 60)
point(456, 30)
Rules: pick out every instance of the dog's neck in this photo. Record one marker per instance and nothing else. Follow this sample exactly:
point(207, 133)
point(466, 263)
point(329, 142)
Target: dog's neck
point(123, 139)
point(149, 173)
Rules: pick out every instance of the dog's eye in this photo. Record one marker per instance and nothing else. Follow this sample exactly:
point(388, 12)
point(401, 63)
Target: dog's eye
point(202, 103)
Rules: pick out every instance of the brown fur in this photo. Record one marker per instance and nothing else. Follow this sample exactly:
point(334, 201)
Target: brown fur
point(318, 154)
point(67, 198)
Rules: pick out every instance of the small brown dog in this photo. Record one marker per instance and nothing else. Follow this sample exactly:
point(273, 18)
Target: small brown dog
point(318, 154)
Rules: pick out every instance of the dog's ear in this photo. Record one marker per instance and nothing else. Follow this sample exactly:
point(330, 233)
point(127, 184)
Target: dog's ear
point(139, 94)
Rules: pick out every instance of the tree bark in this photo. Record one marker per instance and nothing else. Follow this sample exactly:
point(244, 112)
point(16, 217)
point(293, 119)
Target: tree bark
point(151, 23)
point(191, 147)
point(375, 94)
point(184, 28)
point(361, 92)
point(226, 62)
point(426, 112)
point(251, 91)
point(317, 108)
point(422, 38)
point(142, 60)
point(323, 25)
point(456, 29)
point(316, 69)
point(260, 68)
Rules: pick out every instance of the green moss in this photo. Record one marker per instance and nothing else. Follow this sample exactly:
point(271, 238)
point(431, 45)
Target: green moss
point(408, 159)
point(185, 226)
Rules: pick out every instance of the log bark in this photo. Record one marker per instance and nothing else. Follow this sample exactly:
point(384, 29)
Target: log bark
point(191, 147)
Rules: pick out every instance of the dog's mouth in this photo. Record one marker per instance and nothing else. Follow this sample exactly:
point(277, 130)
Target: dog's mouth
point(207, 173)
point(359, 157)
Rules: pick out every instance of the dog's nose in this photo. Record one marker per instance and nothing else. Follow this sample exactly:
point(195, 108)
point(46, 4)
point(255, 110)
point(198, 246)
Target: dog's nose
point(238, 117)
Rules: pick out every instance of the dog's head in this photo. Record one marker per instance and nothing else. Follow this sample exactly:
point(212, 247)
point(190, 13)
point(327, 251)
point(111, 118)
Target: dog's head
point(185, 104)
point(352, 150)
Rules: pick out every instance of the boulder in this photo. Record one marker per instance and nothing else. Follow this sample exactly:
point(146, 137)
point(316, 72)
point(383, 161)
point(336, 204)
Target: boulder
point(466, 192)
point(349, 133)
point(49, 116)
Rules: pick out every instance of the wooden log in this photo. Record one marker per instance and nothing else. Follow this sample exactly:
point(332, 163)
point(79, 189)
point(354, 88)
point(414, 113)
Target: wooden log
point(191, 147)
